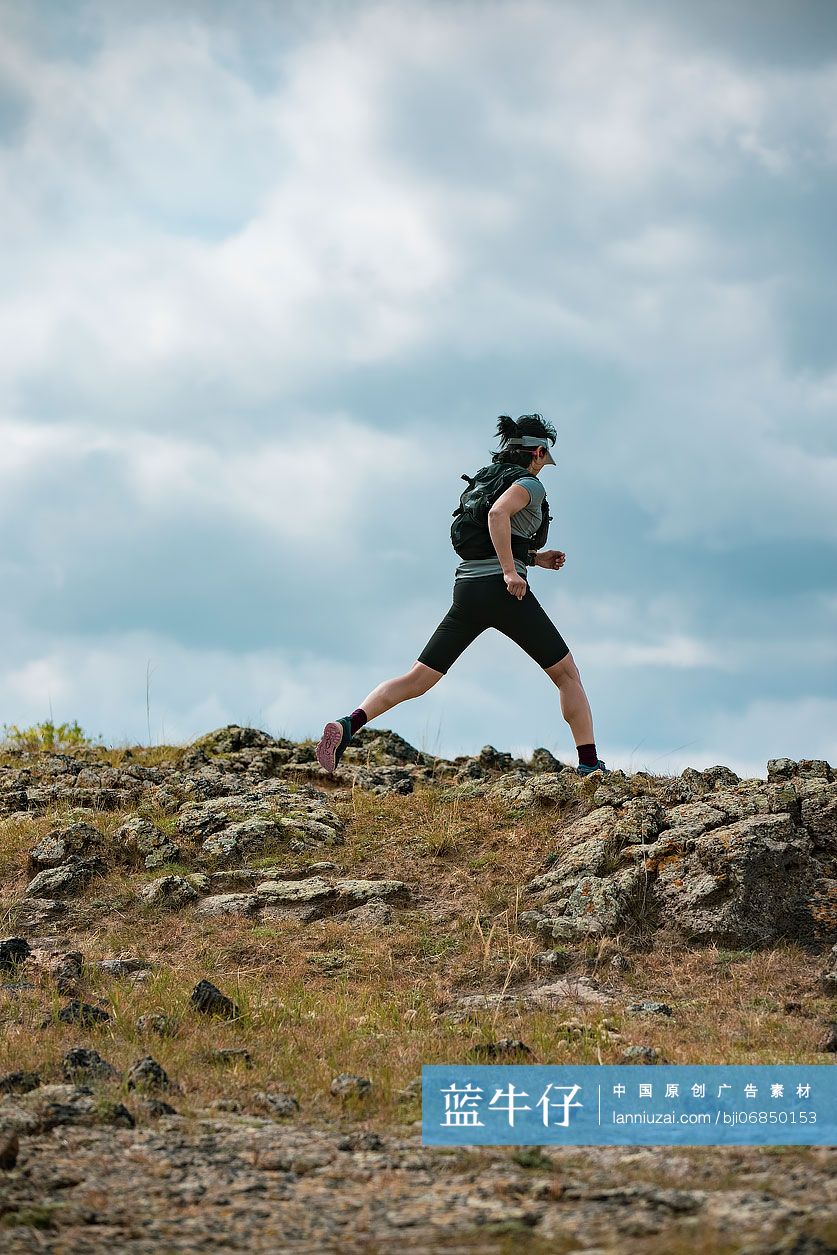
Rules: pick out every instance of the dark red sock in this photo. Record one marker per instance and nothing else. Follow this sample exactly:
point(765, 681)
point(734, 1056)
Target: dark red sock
point(358, 718)
point(587, 756)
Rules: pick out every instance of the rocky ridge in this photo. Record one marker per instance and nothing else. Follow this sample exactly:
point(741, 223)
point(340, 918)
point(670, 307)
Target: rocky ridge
point(705, 855)
point(243, 824)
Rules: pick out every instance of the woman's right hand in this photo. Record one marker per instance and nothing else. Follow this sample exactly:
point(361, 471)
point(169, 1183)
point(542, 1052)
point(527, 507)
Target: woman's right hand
point(515, 584)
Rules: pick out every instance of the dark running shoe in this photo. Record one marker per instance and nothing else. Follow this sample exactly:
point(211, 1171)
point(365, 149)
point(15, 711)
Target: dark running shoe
point(583, 770)
point(336, 738)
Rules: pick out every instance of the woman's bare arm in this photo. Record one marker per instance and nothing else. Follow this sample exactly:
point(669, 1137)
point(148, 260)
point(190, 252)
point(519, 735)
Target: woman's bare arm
point(499, 528)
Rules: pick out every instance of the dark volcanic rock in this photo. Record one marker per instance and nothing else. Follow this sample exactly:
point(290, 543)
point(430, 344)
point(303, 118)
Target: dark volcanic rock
point(19, 1082)
point(13, 950)
point(83, 1064)
point(209, 1000)
point(147, 1073)
point(78, 1012)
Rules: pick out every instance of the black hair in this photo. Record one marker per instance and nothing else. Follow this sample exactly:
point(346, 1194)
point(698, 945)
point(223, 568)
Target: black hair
point(526, 425)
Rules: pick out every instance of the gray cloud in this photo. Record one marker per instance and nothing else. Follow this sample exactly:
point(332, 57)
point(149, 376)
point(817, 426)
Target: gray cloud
point(271, 272)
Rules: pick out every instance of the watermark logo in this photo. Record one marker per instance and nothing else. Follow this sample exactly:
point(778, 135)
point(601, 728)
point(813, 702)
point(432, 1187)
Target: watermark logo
point(697, 1105)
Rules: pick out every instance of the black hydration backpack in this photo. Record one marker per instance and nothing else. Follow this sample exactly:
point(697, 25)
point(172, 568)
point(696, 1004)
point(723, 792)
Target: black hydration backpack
point(469, 530)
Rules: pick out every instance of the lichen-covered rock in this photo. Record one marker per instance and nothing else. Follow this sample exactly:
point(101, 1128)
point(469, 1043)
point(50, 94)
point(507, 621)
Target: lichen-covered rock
point(373, 914)
point(600, 904)
point(586, 847)
point(50, 779)
point(231, 904)
point(692, 819)
point(280, 1105)
point(123, 967)
point(39, 912)
point(356, 892)
point(297, 891)
point(230, 739)
point(245, 879)
point(239, 825)
point(640, 820)
point(171, 891)
point(346, 1085)
point(141, 840)
point(64, 881)
point(61, 844)
point(380, 747)
point(382, 780)
point(819, 816)
point(744, 884)
point(720, 776)
point(159, 1023)
point(544, 760)
point(731, 867)
point(542, 790)
point(316, 898)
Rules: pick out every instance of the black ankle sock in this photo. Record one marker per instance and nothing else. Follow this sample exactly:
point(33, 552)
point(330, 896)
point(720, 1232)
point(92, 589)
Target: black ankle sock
point(358, 718)
point(587, 756)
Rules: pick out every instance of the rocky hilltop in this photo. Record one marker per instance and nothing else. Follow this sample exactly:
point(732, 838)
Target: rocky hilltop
point(223, 969)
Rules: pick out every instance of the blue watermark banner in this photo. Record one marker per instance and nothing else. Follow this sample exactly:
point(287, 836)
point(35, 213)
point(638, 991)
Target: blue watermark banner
point(629, 1105)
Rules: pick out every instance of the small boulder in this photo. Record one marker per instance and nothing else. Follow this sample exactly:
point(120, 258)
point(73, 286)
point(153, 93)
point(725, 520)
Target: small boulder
point(82, 1063)
point(13, 950)
point(208, 999)
point(38, 912)
point(640, 1054)
point(499, 1049)
point(61, 844)
point(144, 841)
point(828, 1042)
point(170, 891)
point(281, 1105)
point(346, 1085)
point(147, 1073)
point(162, 1025)
point(155, 1107)
point(64, 881)
point(19, 1082)
point(230, 904)
point(123, 967)
point(84, 1013)
point(553, 961)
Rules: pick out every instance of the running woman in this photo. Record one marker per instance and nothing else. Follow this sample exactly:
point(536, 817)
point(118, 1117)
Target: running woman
point(493, 592)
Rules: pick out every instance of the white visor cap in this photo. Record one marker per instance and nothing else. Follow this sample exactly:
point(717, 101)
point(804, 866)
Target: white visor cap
point(532, 442)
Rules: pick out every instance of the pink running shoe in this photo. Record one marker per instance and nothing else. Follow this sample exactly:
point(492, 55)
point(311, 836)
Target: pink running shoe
point(336, 738)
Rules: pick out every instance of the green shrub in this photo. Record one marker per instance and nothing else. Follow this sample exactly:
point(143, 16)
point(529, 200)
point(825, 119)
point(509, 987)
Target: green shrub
point(46, 736)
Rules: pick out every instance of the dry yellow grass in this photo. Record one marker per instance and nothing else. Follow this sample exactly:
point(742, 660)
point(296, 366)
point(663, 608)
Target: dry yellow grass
point(328, 997)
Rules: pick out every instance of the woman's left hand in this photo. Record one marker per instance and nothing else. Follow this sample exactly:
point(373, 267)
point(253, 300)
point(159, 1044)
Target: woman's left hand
point(552, 559)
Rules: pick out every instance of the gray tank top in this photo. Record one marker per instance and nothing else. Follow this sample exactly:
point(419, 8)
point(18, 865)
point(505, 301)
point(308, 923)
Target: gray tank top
point(524, 523)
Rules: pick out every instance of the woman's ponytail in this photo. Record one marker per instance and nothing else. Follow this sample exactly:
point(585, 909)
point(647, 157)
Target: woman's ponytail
point(507, 428)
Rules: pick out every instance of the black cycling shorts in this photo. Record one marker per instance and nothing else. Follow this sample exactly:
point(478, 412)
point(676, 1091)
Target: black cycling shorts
point(485, 602)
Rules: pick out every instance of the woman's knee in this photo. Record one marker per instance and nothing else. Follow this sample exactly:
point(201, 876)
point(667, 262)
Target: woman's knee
point(420, 678)
point(564, 670)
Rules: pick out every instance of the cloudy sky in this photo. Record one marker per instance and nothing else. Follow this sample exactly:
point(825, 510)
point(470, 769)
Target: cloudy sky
point(270, 271)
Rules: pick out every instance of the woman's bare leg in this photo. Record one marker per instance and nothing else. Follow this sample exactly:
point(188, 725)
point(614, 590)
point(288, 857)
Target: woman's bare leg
point(574, 704)
point(389, 693)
